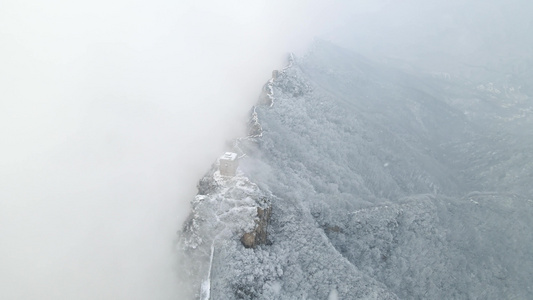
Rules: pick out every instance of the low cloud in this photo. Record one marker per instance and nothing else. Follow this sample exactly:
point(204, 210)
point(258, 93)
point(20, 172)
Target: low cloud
point(109, 114)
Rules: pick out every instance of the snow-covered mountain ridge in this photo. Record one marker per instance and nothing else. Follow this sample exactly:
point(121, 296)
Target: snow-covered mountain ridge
point(372, 176)
point(224, 209)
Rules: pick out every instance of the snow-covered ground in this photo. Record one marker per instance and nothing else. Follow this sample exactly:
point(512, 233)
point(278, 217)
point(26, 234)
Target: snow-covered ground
point(381, 187)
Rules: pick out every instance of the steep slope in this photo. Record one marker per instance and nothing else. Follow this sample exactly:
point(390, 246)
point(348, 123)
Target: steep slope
point(379, 188)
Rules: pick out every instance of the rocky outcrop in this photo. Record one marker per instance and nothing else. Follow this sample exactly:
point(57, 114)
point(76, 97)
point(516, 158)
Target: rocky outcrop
point(260, 233)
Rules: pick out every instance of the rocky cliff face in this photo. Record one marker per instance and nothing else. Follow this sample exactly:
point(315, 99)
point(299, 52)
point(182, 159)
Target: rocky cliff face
point(371, 184)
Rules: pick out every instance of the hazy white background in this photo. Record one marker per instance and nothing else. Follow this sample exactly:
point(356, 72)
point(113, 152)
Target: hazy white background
point(110, 111)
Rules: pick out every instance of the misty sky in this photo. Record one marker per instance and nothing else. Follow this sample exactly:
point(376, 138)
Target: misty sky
point(110, 112)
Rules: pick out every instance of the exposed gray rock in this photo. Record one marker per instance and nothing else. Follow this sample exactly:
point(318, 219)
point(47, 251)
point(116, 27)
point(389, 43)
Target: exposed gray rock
point(259, 236)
